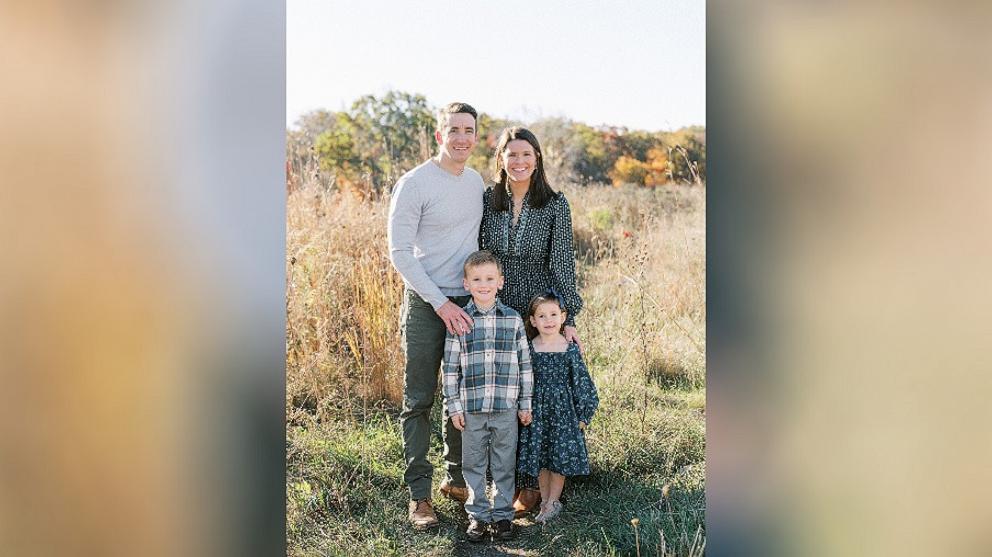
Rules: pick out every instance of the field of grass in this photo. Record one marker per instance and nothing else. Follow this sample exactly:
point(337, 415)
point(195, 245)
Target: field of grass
point(641, 265)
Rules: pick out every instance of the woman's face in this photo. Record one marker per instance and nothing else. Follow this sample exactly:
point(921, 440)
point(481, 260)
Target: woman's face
point(519, 160)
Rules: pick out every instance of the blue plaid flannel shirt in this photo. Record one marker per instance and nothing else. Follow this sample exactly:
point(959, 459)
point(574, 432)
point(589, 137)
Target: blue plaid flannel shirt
point(488, 368)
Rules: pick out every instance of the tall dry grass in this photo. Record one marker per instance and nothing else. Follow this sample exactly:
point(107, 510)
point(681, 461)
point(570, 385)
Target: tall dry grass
point(641, 267)
point(642, 276)
point(342, 338)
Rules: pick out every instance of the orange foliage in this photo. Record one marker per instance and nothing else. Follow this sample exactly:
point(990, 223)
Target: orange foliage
point(654, 172)
point(628, 170)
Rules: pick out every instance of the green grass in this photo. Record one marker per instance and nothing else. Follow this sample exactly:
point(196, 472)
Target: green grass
point(346, 495)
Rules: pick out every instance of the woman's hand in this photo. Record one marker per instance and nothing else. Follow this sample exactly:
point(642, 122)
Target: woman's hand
point(571, 335)
point(582, 426)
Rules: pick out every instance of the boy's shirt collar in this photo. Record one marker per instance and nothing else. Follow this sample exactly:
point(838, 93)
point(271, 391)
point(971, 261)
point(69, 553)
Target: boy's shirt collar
point(472, 309)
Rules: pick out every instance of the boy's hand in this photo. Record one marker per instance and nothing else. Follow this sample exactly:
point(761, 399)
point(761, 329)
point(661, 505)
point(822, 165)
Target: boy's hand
point(458, 420)
point(525, 417)
point(582, 425)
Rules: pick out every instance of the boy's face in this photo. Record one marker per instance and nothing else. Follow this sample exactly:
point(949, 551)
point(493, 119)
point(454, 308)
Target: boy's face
point(547, 318)
point(458, 137)
point(482, 282)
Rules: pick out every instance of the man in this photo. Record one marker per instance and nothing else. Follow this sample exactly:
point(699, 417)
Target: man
point(434, 217)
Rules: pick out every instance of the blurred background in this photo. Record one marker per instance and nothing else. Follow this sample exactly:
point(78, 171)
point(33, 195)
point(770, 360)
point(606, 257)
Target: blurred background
point(848, 262)
point(143, 286)
point(143, 278)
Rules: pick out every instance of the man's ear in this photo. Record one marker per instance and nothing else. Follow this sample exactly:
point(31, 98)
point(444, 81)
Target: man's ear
point(437, 136)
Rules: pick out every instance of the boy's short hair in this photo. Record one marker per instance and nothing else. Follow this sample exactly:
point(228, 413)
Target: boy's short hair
point(455, 108)
point(481, 257)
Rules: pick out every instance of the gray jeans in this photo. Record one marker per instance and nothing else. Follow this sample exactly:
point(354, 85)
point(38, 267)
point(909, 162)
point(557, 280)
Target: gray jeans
point(423, 340)
point(489, 440)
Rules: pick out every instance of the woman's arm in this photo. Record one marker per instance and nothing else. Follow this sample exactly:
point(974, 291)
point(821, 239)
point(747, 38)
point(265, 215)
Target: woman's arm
point(561, 260)
point(483, 238)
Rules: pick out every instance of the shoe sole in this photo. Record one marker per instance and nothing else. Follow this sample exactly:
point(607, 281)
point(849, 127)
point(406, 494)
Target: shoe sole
point(425, 527)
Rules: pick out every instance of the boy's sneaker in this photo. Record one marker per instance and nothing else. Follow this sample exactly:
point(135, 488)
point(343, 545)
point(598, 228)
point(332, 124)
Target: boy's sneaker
point(503, 530)
point(476, 530)
point(551, 510)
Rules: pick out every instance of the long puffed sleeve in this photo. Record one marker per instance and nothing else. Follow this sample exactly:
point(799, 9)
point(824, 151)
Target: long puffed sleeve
point(561, 259)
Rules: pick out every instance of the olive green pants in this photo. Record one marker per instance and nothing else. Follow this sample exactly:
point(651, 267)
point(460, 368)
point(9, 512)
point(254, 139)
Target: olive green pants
point(423, 341)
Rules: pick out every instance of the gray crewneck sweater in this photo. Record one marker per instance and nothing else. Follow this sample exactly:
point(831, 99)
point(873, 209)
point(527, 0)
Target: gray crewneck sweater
point(433, 226)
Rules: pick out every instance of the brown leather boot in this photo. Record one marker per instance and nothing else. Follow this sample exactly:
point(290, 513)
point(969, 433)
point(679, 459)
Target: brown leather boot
point(453, 492)
point(525, 501)
point(422, 515)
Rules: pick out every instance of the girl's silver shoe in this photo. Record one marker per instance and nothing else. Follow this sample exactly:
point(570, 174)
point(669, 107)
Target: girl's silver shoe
point(553, 510)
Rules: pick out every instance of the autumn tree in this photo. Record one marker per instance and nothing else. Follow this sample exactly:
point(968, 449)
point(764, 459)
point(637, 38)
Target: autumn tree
point(370, 145)
point(687, 154)
point(628, 170)
point(658, 167)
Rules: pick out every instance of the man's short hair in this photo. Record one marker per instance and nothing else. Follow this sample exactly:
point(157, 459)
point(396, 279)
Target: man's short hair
point(455, 108)
point(482, 257)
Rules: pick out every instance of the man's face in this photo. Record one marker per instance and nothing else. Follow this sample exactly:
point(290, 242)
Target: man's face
point(457, 137)
point(482, 282)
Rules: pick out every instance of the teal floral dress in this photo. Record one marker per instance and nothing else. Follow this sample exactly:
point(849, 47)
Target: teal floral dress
point(564, 395)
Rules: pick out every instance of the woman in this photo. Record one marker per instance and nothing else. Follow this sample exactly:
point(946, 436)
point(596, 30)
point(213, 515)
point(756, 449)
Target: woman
point(528, 226)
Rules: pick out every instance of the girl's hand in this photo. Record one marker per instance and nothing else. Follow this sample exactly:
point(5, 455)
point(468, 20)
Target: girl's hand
point(582, 426)
point(571, 335)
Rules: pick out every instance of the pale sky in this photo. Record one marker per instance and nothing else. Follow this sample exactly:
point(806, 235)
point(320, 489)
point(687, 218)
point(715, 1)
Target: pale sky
point(634, 63)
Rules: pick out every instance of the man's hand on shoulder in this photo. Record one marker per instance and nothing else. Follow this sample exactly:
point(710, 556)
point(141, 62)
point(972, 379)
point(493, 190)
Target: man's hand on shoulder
point(455, 319)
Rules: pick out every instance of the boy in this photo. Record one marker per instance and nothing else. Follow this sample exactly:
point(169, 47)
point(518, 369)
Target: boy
point(487, 386)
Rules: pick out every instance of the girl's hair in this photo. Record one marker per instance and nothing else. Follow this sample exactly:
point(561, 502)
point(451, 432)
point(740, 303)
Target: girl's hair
point(532, 309)
point(540, 191)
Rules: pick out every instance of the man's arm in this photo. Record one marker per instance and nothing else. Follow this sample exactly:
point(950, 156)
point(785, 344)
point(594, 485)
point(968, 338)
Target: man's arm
point(404, 220)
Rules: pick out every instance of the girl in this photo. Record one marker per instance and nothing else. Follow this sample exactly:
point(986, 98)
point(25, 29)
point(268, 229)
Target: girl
point(553, 445)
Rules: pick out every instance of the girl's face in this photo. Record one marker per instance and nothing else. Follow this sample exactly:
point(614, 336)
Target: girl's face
point(548, 318)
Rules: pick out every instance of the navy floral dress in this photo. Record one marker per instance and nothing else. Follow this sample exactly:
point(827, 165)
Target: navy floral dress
point(564, 395)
